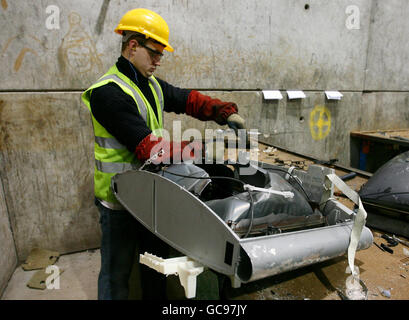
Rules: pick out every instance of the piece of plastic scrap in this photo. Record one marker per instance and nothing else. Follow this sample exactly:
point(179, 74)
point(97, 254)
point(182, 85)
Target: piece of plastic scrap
point(359, 220)
point(186, 268)
point(40, 258)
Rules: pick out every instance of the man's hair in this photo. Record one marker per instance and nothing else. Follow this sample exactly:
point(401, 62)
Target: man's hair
point(130, 35)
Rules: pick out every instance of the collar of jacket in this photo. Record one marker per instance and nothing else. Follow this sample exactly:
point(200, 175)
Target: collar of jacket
point(124, 67)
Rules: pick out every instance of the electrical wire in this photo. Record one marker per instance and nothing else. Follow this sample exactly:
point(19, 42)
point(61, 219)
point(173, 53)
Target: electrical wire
point(300, 185)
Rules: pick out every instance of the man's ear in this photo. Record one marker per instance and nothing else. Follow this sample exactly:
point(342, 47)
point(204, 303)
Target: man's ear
point(133, 44)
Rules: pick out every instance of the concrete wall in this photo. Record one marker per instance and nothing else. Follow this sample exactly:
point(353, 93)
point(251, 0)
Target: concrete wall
point(8, 256)
point(224, 44)
point(47, 160)
point(231, 49)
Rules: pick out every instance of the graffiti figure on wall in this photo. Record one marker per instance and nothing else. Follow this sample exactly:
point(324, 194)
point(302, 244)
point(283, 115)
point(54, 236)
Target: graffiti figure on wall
point(78, 51)
point(4, 4)
point(38, 51)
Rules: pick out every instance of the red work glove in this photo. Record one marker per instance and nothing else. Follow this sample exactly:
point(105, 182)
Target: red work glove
point(205, 108)
point(173, 152)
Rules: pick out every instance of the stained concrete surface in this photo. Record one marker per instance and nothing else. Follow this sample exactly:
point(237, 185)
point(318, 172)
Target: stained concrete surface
point(46, 156)
point(384, 42)
point(77, 282)
point(8, 260)
point(313, 49)
point(279, 44)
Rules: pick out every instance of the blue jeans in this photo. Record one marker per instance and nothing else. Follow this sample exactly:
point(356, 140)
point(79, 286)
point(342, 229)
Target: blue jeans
point(122, 238)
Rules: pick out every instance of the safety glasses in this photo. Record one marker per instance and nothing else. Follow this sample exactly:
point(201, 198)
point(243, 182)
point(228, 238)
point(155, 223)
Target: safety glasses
point(154, 54)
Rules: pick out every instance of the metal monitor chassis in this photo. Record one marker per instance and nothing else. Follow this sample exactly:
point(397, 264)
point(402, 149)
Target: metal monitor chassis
point(181, 219)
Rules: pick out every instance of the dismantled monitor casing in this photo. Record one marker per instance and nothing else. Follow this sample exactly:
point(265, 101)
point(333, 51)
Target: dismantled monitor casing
point(246, 237)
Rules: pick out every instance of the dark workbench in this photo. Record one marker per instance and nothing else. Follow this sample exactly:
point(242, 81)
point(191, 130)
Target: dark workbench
point(371, 149)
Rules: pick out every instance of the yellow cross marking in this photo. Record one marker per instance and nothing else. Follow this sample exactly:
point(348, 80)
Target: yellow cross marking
point(320, 122)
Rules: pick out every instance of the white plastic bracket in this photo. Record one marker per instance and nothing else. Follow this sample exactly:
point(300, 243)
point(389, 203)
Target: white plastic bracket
point(186, 268)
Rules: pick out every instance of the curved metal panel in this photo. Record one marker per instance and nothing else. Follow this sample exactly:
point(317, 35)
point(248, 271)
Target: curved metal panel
point(179, 218)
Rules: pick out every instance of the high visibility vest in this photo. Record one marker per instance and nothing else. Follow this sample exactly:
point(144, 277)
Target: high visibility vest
point(112, 157)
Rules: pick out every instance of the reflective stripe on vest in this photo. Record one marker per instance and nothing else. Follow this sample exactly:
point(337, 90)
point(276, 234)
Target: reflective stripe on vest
point(141, 104)
point(115, 167)
point(158, 91)
point(109, 143)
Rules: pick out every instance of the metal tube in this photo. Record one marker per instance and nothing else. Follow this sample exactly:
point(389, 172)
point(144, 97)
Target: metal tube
point(270, 255)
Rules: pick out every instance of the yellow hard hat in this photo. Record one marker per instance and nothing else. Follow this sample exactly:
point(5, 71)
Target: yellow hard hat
point(146, 22)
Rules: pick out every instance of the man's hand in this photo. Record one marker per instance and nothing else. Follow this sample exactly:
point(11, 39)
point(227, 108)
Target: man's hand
point(236, 122)
point(172, 151)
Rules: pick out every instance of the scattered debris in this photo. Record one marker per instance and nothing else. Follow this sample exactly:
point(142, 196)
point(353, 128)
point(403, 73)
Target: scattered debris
point(329, 162)
point(38, 280)
point(355, 288)
point(270, 150)
point(378, 246)
point(386, 248)
point(406, 243)
point(300, 164)
point(391, 241)
point(384, 292)
point(348, 176)
point(39, 259)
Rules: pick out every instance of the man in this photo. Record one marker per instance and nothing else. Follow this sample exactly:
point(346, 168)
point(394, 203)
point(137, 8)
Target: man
point(126, 106)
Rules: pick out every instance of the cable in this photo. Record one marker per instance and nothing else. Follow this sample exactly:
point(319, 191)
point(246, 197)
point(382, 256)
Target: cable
point(302, 188)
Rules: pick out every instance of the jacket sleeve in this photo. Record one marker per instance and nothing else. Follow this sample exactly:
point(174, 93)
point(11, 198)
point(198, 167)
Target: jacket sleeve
point(175, 98)
point(206, 108)
point(195, 104)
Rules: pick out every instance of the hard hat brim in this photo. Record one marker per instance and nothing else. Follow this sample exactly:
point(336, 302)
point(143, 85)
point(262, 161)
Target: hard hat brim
point(120, 29)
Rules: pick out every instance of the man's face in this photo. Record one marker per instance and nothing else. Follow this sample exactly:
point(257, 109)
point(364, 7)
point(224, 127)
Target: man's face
point(146, 58)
